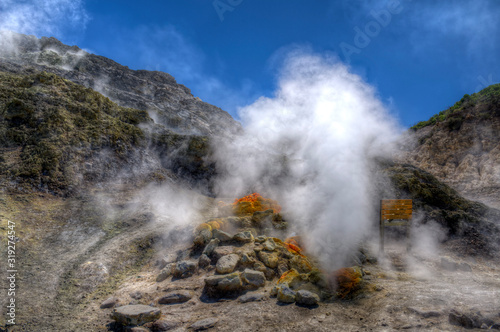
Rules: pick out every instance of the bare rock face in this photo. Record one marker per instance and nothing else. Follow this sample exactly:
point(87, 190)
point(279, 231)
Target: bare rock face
point(170, 103)
point(461, 146)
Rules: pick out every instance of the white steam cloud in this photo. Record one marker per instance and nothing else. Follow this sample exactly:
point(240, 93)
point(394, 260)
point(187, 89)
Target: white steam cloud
point(313, 147)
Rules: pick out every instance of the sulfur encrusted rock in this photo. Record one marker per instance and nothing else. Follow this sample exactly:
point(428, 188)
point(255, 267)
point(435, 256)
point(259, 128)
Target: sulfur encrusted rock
point(285, 294)
point(270, 259)
point(244, 237)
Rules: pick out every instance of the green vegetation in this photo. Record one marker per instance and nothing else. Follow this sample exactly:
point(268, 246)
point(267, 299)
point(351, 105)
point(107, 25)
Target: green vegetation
point(488, 97)
point(49, 125)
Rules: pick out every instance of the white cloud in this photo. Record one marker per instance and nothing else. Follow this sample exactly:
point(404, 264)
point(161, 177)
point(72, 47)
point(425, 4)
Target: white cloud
point(49, 17)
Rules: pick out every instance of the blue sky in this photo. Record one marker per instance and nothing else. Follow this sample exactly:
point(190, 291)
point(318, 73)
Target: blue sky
point(421, 56)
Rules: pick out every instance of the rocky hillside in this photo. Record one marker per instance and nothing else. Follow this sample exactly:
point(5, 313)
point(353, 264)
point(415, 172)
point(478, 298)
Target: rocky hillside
point(461, 146)
point(169, 103)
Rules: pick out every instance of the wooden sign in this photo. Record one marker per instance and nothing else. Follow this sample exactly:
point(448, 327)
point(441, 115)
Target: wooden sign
point(394, 212)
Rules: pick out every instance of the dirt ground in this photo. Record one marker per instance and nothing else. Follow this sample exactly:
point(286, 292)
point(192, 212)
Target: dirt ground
point(68, 268)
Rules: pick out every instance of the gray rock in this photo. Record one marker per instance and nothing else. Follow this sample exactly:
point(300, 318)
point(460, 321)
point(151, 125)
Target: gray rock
point(285, 294)
point(221, 235)
point(184, 269)
point(137, 295)
point(260, 239)
point(180, 296)
point(227, 264)
point(110, 302)
point(204, 261)
point(307, 298)
point(222, 284)
point(162, 325)
point(259, 218)
point(204, 324)
point(222, 251)
point(166, 272)
point(164, 261)
point(269, 245)
point(210, 247)
point(135, 314)
point(252, 297)
point(270, 259)
point(469, 321)
point(253, 279)
point(244, 237)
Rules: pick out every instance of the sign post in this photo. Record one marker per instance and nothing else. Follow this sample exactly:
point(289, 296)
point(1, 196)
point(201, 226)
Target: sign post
point(395, 212)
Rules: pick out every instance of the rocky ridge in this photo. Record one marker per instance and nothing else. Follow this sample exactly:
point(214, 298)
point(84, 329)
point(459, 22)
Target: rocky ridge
point(461, 146)
point(169, 103)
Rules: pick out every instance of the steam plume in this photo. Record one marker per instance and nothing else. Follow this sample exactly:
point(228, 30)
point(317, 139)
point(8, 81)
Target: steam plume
point(313, 146)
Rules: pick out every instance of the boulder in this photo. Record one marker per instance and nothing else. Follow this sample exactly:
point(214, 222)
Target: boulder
point(204, 324)
point(222, 284)
point(260, 218)
point(210, 247)
point(180, 296)
point(222, 251)
point(227, 264)
point(164, 261)
point(269, 245)
point(204, 261)
point(253, 279)
point(260, 239)
point(137, 314)
point(244, 237)
point(307, 298)
point(285, 294)
point(221, 235)
point(165, 272)
point(184, 269)
point(270, 259)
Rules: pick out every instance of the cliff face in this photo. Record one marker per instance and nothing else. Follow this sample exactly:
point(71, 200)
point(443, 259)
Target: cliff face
point(461, 146)
point(168, 103)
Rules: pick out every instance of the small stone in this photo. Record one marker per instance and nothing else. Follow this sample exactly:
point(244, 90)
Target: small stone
point(307, 298)
point(252, 297)
point(221, 235)
point(210, 247)
point(135, 314)
point(270, 259)
point(282, 268)
point(176, 297)
point(269, 245)
point(424, 314)
point(204, 261)
point(247, 259)
point(274, 291)
point(464, 267)
point(161, 325)
point(184, 269)
point(204, 324)
point(244, 237)
point(137, 295)
point(285, 294)
point(109, 302)
point(253, 279)
point(227, 264)
point(260, 239)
